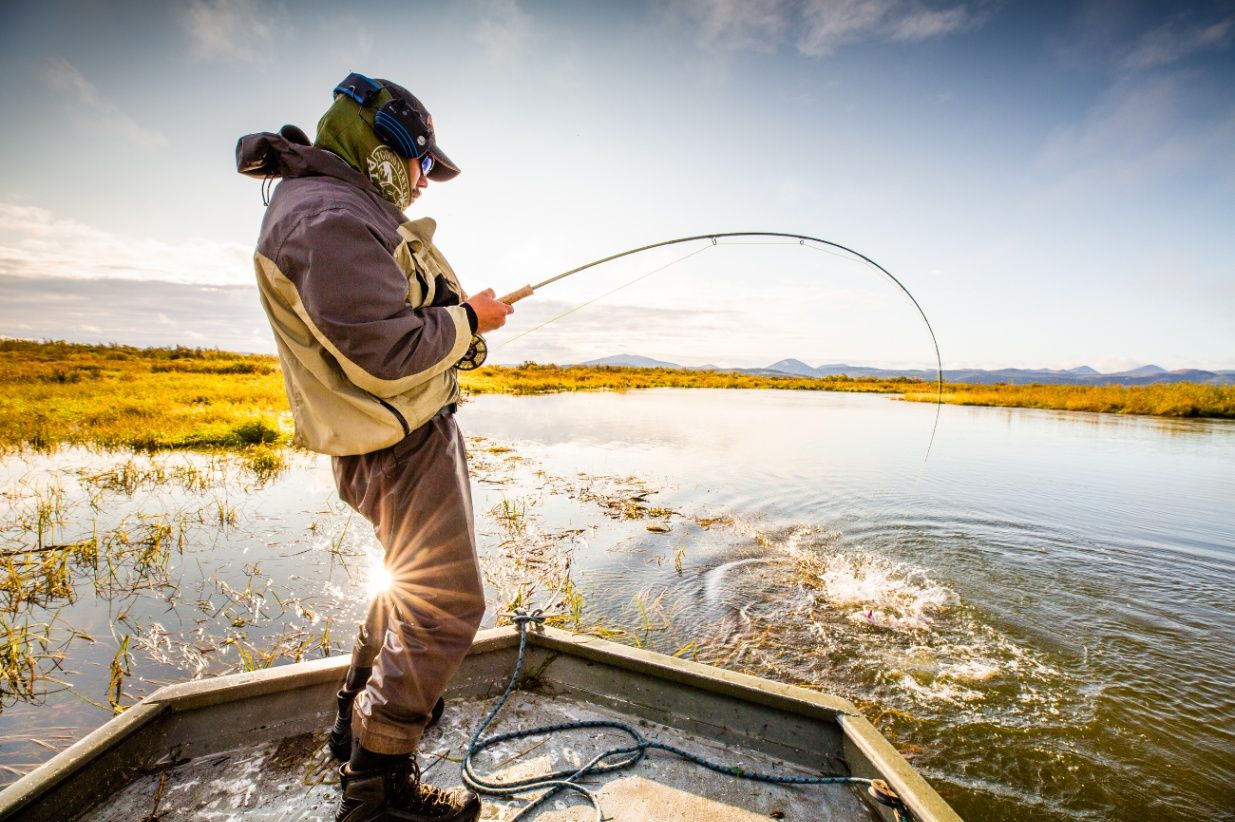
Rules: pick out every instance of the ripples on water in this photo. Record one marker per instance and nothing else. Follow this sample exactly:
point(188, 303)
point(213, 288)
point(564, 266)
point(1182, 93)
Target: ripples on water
point(1040, 616)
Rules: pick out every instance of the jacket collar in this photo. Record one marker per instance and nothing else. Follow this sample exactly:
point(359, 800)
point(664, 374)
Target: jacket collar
point(266, 155)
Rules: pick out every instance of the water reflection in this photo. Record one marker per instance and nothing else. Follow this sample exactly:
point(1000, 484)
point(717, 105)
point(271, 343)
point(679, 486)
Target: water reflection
point(1046, 601)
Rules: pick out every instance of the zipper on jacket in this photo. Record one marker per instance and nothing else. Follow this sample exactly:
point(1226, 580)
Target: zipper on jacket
point(402, 420)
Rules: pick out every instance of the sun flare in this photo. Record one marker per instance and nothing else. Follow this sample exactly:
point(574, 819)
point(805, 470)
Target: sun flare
point(380, 579)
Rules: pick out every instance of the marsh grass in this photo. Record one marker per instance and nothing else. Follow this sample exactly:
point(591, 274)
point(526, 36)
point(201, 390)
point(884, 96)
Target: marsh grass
point(121, 666)
point(28, 655)
point(40, 580)
point(1184, 399)
point(155, 399)
point(36, 583)
point(154, 472)
point(533, 378)
point(57, 393)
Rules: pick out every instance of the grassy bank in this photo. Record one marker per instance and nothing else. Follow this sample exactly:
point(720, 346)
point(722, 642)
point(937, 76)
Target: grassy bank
point(1185, 399)
point(57, 393)
point(167, 398)
point(531, 378)
point(122, 397)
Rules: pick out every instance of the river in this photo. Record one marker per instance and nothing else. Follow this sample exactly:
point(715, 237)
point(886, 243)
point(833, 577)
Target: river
point(1038, 612)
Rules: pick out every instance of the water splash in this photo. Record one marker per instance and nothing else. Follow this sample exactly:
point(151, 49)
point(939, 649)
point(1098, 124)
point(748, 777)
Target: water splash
point(878, 591)
point(800, 604)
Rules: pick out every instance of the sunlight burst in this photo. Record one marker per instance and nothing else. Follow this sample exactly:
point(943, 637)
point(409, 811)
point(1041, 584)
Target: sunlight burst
point(380, 579)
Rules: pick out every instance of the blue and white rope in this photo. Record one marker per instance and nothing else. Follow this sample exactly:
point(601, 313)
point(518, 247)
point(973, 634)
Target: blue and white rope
point(614, 759)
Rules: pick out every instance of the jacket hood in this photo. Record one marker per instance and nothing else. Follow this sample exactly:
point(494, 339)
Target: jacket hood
point(269, 155)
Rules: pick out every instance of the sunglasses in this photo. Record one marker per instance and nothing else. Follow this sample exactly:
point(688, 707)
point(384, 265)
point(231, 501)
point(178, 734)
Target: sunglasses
point(426, 164)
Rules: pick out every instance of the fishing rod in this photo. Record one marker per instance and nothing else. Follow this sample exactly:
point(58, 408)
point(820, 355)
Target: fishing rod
point(803, 239)
point(629, 756)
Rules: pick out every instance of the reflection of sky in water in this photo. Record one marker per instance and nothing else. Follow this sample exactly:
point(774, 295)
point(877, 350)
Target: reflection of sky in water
point(1023, 604)
point(1065, 575)
point(787, 454)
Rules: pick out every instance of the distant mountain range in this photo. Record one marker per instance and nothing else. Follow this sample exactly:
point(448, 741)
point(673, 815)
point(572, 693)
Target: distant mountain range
point(1081, 375)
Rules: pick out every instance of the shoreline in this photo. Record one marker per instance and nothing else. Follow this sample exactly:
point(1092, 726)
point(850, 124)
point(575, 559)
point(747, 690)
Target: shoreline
point(156, 399)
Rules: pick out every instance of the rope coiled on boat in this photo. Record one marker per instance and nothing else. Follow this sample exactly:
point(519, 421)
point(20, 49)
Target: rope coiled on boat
point(614, 759)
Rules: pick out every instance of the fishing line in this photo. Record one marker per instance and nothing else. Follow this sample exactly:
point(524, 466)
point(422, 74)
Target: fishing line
point(815, 243)
point(570, 311)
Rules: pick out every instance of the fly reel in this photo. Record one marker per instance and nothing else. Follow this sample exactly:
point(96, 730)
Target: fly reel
point(475, 355)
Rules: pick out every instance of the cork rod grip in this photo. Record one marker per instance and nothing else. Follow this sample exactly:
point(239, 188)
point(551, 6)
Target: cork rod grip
point(516, 295)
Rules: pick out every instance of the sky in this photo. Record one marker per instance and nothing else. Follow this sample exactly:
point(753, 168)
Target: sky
point(1053, 182)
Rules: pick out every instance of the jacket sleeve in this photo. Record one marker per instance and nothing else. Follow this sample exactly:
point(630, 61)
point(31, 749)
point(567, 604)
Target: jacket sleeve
point(353, 297)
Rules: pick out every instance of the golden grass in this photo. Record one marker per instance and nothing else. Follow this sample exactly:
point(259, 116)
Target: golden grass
point(531, 378)
point(1185, 399)
point(111, 396)
point(58, 393)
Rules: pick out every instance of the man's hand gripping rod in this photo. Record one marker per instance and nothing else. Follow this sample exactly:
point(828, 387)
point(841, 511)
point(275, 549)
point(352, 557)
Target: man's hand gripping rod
point(518, 294)
point(478, 351)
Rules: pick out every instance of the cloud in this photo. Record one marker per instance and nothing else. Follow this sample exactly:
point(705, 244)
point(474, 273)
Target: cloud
point(134, 312)
point(91, 111)
point(503, 28)
point(228, 30)
point(1164, 112)
point(1176, 40)
point(1142, 128)
point(740, 25)
point(819, 27)
point(1120, 39)
point(603, 329)
point(752, 334)
point(923, 23)
point(34, 243)
point(831, 23)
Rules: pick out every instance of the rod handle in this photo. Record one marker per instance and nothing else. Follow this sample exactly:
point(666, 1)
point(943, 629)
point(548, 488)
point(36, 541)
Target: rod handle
point(516, 295)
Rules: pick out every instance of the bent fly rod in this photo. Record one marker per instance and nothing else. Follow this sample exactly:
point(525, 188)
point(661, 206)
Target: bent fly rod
point(529, 290)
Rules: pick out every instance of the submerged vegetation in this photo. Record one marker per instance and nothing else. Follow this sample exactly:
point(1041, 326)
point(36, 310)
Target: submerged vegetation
point(151, 399)
point(111, 579)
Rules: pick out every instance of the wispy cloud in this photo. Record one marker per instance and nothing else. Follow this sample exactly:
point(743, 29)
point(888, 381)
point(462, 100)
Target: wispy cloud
point(1120, 39)
point(1142, 129)
point(229, 30)
point(741, 336)
point(1162, 113)
point(34, 243)
point(751, 25)
point(1165, 111)
point(92, 111)
point(503, 28)
point(924, 23)
point(819, 27)
point(1176, 40)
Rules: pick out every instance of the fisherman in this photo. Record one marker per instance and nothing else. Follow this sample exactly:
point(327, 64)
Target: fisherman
point(371, 323)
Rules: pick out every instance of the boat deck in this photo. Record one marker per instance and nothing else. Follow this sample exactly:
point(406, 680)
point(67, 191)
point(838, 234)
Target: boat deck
point(295, 778)
point(250, 746)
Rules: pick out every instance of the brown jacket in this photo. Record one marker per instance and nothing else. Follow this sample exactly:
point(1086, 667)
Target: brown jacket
point(365, 310)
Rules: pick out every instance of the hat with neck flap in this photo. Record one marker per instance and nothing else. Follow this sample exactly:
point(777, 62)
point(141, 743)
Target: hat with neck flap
point(376, 126)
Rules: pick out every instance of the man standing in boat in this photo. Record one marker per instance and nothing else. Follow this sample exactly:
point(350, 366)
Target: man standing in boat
point(371, 324)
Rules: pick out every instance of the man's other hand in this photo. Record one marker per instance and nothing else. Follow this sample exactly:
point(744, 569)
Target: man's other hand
point(490, 312)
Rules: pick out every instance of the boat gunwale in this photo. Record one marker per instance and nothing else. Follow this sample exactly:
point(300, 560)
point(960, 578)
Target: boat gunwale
point(855, 730)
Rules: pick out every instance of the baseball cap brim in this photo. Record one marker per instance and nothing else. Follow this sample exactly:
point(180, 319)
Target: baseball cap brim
point(444, 168)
